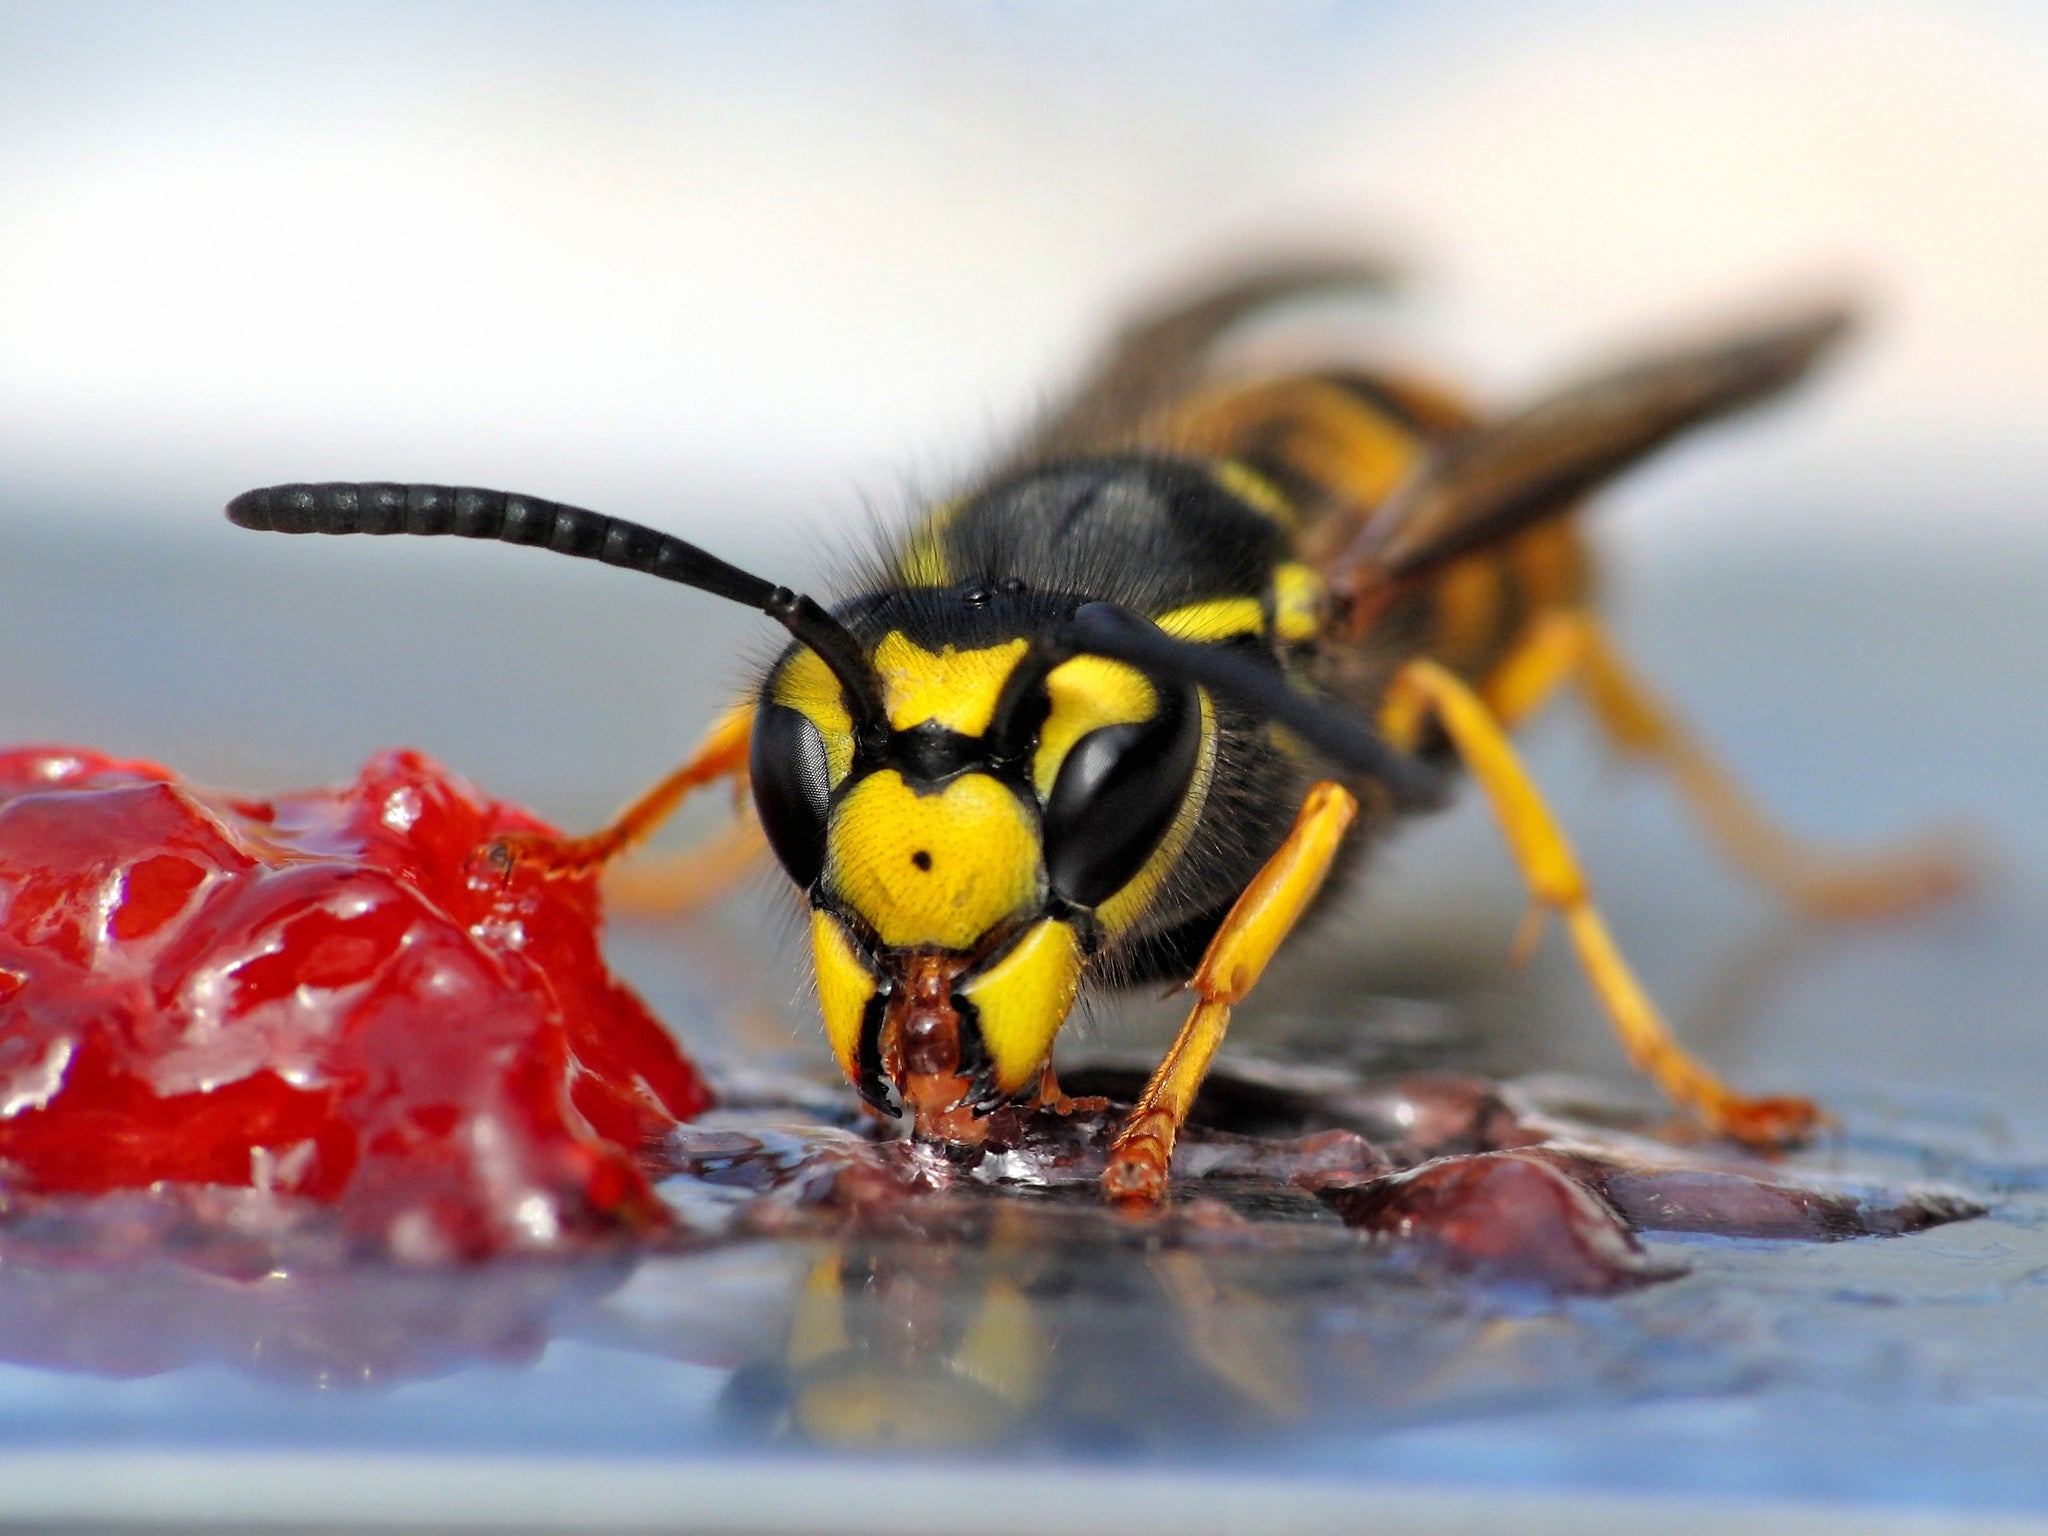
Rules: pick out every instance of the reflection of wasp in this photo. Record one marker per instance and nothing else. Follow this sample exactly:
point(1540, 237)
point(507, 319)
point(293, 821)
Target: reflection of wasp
point(1116, 714)
point(983, 1324)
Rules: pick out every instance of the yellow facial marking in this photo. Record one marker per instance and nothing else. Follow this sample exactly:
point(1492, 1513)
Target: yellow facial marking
point(938, 869)
point(1220, 618)
point(955, 689)
point(1300, 603)
point(857, 1386)
point(858, 1402)
point(1024, 998)
point(845, 987)
point(1255, 491)
point(1086, 693)
point(806, 685)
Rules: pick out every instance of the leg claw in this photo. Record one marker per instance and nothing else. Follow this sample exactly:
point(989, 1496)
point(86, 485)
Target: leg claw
point(1137, 1171)
point(540, 853)
point(1777, 1124)
point(494, 861)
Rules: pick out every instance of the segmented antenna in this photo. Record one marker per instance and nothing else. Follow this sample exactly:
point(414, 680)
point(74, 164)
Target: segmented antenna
point(466, 512)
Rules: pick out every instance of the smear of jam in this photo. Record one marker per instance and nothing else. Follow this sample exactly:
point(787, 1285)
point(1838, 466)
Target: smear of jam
point(321, 997)
point(1441, 1175)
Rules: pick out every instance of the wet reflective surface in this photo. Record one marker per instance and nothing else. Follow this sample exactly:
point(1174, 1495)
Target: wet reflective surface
point(1409, 1258)
point(1301, 1275)
point(855, 1293)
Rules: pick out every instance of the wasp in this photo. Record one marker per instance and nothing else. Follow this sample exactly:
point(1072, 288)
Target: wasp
point(1128, 708)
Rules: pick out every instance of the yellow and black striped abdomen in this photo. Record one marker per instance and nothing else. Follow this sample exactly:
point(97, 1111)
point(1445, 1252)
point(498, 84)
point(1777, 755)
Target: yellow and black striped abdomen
point(1329, 448)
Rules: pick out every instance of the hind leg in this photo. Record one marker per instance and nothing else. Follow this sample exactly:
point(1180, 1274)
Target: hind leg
point(1568, 646)
point(1556, 884)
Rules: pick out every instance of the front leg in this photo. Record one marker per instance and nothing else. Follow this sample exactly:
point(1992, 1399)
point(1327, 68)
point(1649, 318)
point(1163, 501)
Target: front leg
point(723, 754)
point(1263, 916)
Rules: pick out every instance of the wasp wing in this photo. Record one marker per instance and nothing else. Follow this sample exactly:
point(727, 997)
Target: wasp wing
point(1163, 353)
point(1489, 483)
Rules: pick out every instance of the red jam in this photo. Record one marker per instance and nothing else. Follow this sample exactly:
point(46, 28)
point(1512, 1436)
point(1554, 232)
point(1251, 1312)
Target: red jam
point(322, 995)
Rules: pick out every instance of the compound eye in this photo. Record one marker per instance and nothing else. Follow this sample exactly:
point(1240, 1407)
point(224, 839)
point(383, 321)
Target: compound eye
point(792, 788)
point(1116, 795)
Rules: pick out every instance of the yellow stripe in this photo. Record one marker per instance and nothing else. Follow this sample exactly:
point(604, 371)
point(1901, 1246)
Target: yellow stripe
point(1255, 491)
point(1127, 905)
point(1220, 618)
point(1300, 603)
point(1348, 450)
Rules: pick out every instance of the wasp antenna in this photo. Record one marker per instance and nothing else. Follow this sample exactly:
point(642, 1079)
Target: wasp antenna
point(811, 626)
point(1104, 629)
point(1022, 706)
point(466, 512)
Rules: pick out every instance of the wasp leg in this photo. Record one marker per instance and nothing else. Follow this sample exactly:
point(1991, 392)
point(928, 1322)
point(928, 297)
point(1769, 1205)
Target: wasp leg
point(689, 879)
point(1263, 916)
point(1571, 646)
point(1555, 881)
point(1052, 1097)
point(723, 754)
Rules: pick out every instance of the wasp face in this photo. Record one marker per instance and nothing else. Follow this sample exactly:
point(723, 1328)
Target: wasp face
point(966, 857)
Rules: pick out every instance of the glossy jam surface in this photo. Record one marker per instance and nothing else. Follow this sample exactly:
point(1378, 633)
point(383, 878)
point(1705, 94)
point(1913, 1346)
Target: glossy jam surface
point(320, 998)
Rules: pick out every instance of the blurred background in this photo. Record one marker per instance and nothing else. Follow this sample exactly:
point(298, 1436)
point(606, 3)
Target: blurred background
point(765, 275)
point(672, 259)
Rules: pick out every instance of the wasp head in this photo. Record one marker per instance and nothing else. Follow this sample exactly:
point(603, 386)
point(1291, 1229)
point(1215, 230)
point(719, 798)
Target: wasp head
point(965, 835)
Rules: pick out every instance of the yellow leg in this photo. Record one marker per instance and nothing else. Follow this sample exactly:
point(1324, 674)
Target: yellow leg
point(1556, 882)
point(1569, 646)
point(1050, 1095)
point(723, 754)
point(1263, 916)
point(687, 880)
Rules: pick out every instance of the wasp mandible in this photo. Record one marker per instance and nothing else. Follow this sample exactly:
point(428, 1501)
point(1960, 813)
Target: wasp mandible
point(1120, 712)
